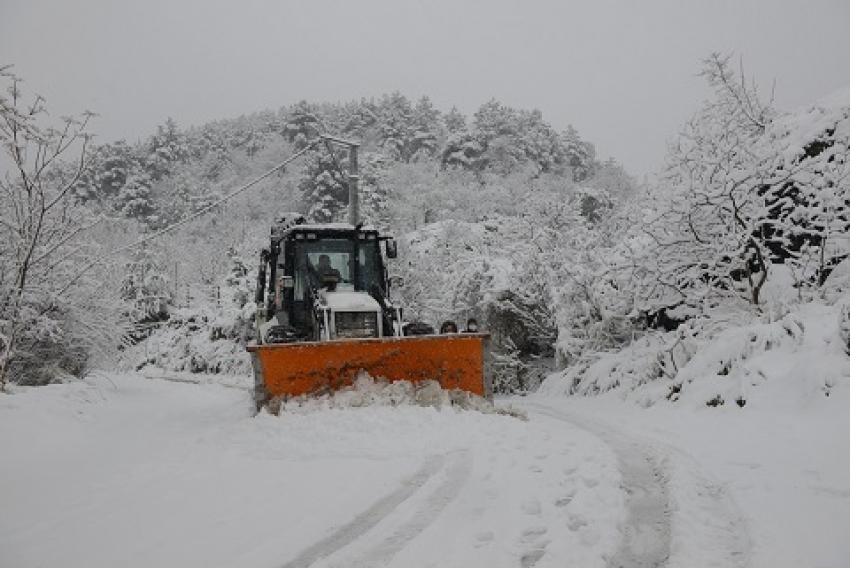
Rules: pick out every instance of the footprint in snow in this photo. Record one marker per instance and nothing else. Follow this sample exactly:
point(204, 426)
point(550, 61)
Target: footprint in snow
point(563, 502)
point(532, 507)
point(576, 522)
point(532, 539)
point(590, 481)
point(484, 538)
point(532, 535)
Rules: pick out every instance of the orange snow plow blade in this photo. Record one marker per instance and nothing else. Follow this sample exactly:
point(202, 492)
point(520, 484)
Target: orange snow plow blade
point(292, 369)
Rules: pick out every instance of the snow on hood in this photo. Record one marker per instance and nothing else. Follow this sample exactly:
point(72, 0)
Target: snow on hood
point(345, 301)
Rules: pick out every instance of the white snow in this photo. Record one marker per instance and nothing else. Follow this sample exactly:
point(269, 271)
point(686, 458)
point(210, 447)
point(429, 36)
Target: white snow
point(349, 301)
point(769, 482)
point(772, 485)
point(127, 471)
point(132, 471)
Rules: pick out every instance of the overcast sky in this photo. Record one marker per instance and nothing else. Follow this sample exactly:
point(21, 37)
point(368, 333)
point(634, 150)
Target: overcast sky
point(623, 73)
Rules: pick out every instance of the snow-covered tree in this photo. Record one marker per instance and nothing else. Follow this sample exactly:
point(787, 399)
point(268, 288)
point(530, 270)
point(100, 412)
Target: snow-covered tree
point(323, 186)
point(704, 227)
point(374, 189)
point(166, 149)
point(53, 314)
point(466, 151)
point(454, 121)
point(425, 132)
point(301, 125)
point(613, 178)
point(146, 285)
point(579, 154)
point(134, 197)
point(808, 190)
point(396, 127)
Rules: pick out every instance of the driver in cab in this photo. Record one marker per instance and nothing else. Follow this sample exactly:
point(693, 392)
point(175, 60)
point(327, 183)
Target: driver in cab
point(328, 275)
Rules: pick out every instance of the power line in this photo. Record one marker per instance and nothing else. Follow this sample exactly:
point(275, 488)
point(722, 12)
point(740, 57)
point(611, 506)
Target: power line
point(212, 206)
point(191, 217)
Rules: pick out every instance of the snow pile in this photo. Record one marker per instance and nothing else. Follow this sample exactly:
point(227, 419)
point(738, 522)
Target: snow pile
point(793, 361)
point(367, 391)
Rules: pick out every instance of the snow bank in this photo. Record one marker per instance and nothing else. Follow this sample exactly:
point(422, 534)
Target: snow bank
point(798, 360)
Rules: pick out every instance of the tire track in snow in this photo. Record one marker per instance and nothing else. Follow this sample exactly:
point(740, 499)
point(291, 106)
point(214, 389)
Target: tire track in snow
point(646, 471)
point(646, 536)
point(456, 476)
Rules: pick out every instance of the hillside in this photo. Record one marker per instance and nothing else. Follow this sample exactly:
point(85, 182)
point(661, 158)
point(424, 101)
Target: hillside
point(565, 275)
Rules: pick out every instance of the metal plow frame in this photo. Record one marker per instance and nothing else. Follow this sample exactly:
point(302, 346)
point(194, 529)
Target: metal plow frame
point(292, 369)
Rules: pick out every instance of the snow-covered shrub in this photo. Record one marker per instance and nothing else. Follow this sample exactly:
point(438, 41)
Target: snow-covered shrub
point(797, 358)
point(487, 270)
point(207, 337)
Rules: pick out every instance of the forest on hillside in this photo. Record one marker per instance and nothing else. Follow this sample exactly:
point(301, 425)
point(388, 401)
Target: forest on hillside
point(501, 217)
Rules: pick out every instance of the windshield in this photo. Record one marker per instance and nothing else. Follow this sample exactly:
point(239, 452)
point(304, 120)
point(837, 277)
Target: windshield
point(355, 264)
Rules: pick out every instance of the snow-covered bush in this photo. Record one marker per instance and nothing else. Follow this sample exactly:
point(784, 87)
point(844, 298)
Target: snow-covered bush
point(207, 337)
point(488, 270)
point(801, 356)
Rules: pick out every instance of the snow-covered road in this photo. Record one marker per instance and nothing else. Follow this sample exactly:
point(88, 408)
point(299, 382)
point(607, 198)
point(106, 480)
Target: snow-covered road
point(721, 537)
point(132, 472)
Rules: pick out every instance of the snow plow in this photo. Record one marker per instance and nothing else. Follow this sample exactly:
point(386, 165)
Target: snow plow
point(324, 315)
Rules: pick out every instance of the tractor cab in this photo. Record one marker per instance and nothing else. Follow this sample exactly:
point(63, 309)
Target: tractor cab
point(325, 281)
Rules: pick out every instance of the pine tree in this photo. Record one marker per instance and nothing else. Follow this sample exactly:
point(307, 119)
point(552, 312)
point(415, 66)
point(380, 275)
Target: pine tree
point(301, 125)
point(113, 169)
point(579, 155)
point(374, 190)
point(134, 199)
point(454, 121)
point(395, 127)
point(166, 149)
point(426, 124)
point(323, 187)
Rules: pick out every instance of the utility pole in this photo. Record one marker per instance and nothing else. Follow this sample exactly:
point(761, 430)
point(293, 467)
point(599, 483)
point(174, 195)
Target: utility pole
point(353, 180)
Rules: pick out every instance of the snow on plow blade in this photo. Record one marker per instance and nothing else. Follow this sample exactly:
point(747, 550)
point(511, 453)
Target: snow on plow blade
point(292, 369)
